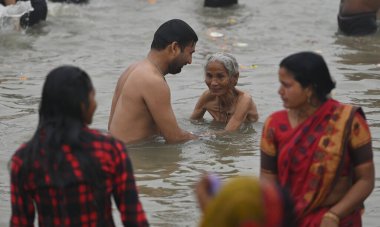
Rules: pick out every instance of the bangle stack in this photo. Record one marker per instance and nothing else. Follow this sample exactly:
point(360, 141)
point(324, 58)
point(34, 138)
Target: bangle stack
point(332, 216)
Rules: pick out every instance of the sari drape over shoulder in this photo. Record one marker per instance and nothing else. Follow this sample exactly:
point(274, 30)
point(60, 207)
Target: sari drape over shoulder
point(310, 158)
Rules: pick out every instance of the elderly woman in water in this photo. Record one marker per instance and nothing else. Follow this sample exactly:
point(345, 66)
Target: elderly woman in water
point(223, 101)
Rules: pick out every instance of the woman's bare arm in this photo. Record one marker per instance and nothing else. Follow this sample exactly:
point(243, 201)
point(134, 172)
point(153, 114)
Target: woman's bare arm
point(359, 191)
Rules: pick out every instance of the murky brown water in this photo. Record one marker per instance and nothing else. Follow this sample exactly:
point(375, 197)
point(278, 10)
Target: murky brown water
point(104, 37)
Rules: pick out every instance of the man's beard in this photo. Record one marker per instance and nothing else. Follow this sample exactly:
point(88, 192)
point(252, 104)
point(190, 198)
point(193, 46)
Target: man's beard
point(175, 67)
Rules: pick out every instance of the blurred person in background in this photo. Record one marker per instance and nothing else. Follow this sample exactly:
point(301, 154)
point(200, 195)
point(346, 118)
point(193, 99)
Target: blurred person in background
point(33, 17)
point(358, 17)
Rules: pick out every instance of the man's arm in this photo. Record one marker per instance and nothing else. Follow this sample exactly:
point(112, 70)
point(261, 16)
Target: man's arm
point(157, 97)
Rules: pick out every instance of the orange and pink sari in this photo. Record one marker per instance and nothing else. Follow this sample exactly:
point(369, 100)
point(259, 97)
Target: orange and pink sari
point(310, 158)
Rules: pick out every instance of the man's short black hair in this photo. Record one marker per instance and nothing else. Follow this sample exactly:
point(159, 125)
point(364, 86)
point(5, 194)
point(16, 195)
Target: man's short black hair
point(174, 30)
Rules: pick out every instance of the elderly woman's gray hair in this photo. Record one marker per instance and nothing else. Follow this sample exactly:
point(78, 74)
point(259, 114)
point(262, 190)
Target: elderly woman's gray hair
point(227, 60)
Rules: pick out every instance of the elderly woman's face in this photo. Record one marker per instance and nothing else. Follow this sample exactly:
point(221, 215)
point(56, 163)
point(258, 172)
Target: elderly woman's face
point(217, 79)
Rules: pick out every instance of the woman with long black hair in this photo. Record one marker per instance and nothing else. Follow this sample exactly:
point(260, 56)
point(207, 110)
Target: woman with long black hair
point(67, 171)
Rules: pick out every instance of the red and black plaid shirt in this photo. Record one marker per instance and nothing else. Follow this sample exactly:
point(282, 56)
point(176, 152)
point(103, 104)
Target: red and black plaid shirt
point(73, 205)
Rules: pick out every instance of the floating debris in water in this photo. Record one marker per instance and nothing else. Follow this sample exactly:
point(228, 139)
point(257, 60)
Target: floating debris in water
point(216, 34)
point(152, 1)
point(23, 77)
point(253, 66)
point(241, 44)
point(231, 20)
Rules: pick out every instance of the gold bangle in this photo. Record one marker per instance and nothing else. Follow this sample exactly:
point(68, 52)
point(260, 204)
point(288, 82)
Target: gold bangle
point(332, 216)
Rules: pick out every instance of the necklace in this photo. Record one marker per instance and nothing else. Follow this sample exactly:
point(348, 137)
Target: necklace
point(223, 114)
point(156, 66)
point(225, 105)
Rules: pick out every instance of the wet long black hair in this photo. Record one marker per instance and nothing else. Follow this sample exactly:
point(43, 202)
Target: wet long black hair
point(310, 69)
point(65, 97)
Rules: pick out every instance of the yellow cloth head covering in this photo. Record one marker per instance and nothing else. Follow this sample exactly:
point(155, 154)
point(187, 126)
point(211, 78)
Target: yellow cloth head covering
point(239, 201)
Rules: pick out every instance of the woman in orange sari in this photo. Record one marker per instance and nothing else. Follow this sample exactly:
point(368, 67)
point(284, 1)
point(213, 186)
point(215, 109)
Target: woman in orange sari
point(318, 148)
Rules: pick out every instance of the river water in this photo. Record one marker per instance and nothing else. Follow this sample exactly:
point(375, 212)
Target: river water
point(104, 37)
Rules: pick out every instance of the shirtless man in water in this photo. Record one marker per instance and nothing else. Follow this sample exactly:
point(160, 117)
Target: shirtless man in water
point(141, 106)
point(358, 17)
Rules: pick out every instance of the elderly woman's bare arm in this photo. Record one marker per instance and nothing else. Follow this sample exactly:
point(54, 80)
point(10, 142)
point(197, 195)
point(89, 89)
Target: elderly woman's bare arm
point(245, 110)
point(199, 109)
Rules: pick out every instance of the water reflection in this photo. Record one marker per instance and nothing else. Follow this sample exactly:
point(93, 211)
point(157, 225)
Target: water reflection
point(357, 76)
point(220, 26)
point(369, 103)
point(155, 161)
point(359, 50)
point(224, 17)
point(16, 105)
point(166, 173)
point(164, 185)
point(360, 64)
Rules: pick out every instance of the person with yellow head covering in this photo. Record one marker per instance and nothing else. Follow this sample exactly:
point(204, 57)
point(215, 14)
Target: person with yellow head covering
point(243, 202)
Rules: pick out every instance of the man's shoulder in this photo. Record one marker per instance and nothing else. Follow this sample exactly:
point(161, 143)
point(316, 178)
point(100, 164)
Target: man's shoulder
point(142, 73)
point(130, 70)
point(133, 78)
